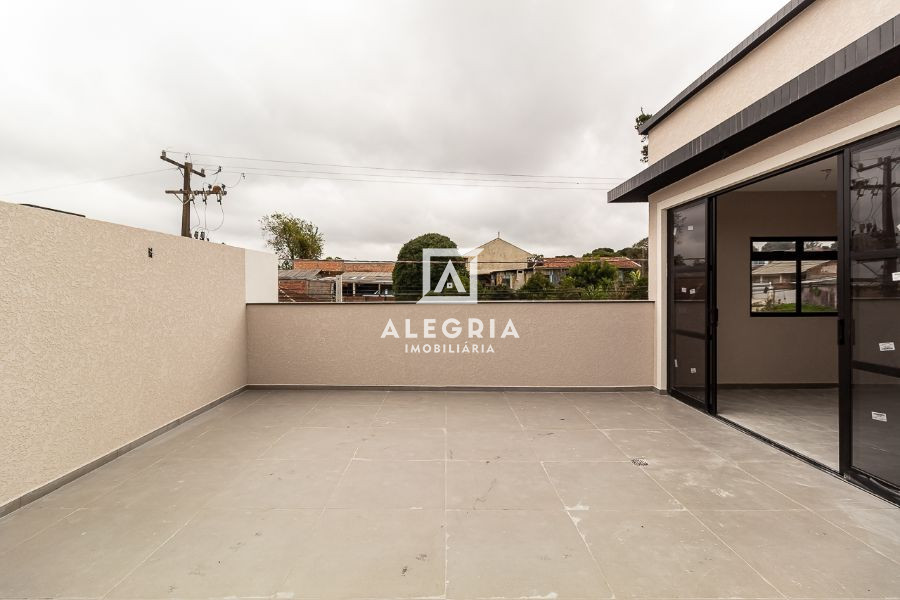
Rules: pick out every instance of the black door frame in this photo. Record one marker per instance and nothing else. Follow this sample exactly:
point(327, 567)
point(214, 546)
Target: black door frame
point(844, 320)
point(845, 327)
point(709, 406)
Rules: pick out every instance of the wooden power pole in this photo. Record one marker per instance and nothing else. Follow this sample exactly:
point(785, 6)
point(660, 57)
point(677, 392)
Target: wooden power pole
point(186, 193)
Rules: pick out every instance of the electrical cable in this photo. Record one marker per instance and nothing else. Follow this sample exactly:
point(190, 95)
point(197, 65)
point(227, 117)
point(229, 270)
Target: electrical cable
point(440, 171)
point(100, 180)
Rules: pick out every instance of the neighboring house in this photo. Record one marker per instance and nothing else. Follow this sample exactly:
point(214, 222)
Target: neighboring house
point(556, 268)
point(345, 280)
point(501, 263)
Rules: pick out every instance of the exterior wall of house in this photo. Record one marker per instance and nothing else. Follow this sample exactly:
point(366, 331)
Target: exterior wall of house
point(599, 344)
point(103, 344)
point(500, 255)
point(817, 32)
point(863, 116)
point(789, 350)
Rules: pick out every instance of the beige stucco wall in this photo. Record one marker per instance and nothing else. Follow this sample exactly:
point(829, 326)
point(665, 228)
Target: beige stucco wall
point(792, 350)
point(858, 118)
point(559, 344)
point(101, 344)
point(817, 32)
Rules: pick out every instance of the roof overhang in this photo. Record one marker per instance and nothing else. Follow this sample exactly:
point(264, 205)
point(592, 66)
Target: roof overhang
point(869, 61)
point(762, 33)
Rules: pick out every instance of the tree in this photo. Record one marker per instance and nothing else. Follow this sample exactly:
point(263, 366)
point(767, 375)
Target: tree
point(592, 273)
point(638, 122)
point(291, 237)
point(600, 252)
point(407, 276)
point(538, 287)
point(636, 250)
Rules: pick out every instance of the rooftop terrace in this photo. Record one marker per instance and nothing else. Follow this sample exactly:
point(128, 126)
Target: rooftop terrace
point(458, 495)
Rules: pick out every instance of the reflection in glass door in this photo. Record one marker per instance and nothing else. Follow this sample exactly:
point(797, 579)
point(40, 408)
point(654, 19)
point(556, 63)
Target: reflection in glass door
point(688, 301)
point(874, 369)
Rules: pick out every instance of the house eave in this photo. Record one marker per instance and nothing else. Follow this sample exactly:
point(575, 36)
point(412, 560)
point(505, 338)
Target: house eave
point(869, 61)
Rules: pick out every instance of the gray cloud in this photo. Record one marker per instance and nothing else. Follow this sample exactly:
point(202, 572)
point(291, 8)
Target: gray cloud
point(97, 89)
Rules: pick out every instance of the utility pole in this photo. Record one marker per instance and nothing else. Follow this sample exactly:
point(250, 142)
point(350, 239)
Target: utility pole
point(187, 194)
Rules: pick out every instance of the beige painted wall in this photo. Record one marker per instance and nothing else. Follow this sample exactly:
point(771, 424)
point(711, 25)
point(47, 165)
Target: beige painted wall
point(760, 349)
point(101, 344)
point(820, 30)
point(863, 116)
point(560, 344)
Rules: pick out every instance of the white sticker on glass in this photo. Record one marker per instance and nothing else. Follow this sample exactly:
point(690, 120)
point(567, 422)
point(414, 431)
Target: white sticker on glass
point(693, 291)
point(683, 290)
point(895, 276)
point(886, 346)
point(690, 227)
point(676, 363)
point(693, 369)
point(877, 416)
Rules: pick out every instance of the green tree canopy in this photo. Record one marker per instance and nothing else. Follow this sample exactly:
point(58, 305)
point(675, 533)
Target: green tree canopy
point(600, 252)
point(592, 274)
point(538, 287)
point(407, 276)
point(291, 237)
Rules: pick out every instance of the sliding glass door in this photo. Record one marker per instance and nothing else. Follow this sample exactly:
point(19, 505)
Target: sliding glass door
point(689, 301)
point(872, 215)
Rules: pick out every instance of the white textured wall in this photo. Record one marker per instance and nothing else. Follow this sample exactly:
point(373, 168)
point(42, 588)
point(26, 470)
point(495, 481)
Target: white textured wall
point(260, 276)
point(100, 344)
point(559, 344)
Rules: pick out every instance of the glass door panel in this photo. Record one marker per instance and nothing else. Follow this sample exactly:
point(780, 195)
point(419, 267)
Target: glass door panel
point(874, 240)
point(688, 301)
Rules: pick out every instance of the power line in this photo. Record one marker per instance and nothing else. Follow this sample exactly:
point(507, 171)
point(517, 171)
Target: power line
point(88, 181)
point(440, 171)
point(442, 183)
point(424, 177)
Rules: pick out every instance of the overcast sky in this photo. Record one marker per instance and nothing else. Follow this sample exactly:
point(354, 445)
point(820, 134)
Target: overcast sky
point(94, 90)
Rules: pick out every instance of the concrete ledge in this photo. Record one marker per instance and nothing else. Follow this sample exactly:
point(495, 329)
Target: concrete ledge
point(57, 483)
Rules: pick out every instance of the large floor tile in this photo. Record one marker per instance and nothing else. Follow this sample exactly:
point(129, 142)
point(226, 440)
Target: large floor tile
point(495, 445)
point(85, 554)
point(233, 440)
point(317, 443)
point(812, 488)
point(223, 553)
point(519, 554)
point(877, 527)
point(561, 415)
point(404, 444)
point(26, 522)
point(274, 414)
point(804, 556)
point(667, 554)
point(405, 415)
point(608, 486)
point(341, 415)
point(372, 554)
point(281, 484)
point(391, 484)
point(716, 485)
point(469, 416)
point(731, 444)
point(561, 445)
point(652, 444)
point(619, 414)
point(179, 485)
point(499, 485)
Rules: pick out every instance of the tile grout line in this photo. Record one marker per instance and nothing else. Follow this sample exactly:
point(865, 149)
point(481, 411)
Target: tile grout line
point(562, 503)
point(709, 529)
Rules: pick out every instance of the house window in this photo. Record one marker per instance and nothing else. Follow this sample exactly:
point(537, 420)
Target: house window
point(793, 276)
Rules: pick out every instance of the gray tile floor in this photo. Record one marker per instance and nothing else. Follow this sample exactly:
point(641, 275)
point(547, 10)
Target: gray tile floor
point(805, 420)
point(453, 495)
